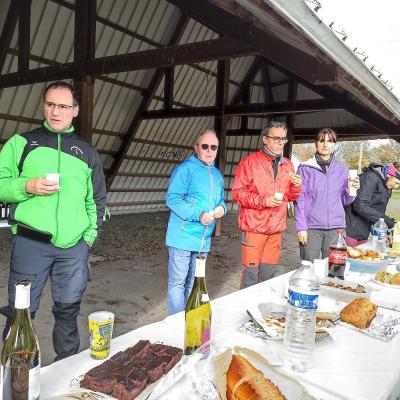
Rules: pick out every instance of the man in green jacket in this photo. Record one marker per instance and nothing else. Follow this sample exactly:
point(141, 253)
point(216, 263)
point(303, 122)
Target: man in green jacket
point(54, 220)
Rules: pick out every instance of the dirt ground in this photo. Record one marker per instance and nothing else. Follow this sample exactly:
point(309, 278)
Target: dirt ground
point(129, 273)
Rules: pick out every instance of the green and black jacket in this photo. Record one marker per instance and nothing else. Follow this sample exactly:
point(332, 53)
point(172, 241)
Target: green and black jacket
point(77, 209)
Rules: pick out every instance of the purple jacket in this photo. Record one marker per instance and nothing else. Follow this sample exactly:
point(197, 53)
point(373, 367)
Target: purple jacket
point(324, 195)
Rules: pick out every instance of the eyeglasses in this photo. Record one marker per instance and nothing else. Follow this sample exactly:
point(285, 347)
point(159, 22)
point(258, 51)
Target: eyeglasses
point(63, 108)
point(278, 139)
point(205, 146)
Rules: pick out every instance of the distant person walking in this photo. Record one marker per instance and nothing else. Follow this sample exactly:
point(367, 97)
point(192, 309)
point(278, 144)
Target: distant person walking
point(264, 184)
point(376, 184)
point(195, 197)
point(319, 210)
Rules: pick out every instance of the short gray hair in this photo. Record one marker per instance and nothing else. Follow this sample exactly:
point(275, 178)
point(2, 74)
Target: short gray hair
point(211, 131)
point(273, 124)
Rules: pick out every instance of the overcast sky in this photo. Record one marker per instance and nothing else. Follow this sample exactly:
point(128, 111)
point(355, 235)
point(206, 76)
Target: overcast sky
point(373, 27)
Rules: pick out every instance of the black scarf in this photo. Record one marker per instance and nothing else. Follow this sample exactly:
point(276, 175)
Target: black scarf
point(275, 161)
point(324, 164)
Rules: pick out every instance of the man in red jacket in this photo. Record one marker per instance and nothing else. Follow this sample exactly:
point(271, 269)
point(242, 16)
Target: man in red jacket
point(264, 183)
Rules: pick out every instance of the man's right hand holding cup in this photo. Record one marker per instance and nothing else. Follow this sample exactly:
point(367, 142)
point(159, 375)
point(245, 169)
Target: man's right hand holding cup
point(273, 201)
point(41, 186)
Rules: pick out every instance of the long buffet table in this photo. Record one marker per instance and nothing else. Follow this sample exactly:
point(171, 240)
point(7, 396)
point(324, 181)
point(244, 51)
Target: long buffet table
point(350, 365)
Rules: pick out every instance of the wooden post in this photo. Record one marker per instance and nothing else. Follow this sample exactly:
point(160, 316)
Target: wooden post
point(24, 34)
point(84, 52)
point(220, 120)
point(168, 88)
point(292, 94)
point(7, 32)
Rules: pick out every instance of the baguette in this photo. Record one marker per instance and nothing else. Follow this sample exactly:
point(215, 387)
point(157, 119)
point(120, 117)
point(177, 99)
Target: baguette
point(245, 382)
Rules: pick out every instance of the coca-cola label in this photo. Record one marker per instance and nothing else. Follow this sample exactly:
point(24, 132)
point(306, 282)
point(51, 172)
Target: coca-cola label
point(302, 300)
point(337, 256)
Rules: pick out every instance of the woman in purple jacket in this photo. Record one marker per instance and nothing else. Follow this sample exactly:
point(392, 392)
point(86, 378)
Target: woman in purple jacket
point(319, 210)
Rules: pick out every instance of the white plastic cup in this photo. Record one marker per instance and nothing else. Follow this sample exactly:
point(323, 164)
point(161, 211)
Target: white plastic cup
point(279, 196)
point(54, 177)
point(353, 173)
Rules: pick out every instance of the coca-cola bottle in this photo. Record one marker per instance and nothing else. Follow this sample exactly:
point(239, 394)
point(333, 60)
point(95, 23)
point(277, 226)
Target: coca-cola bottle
point(337, 256)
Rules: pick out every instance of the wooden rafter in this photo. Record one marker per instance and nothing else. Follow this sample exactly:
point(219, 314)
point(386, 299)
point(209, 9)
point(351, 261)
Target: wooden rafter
point(247, 80)
point(169, 56)
point(146, 100)
point(269, 46)
point(208, 50)
point(137, 36)
point(8, 31)
point(103, 78)
point(344, 133)
point(359, 110)
point(293, 107)
point(24, 39)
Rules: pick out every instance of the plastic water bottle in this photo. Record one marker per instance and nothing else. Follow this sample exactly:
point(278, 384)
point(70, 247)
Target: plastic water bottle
point(299, 339)
point(379, 235)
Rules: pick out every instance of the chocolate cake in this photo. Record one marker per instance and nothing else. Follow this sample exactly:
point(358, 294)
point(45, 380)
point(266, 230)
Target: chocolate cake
point(126, 374)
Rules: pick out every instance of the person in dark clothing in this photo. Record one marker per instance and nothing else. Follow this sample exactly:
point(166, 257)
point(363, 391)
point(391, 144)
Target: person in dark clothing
point(376, 184)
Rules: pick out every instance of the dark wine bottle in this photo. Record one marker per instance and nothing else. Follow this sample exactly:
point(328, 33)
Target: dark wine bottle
point(20, 357)
point(198, 313)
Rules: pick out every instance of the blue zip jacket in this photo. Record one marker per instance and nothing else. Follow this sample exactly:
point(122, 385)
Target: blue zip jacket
point(323, 197)
point(194, 187)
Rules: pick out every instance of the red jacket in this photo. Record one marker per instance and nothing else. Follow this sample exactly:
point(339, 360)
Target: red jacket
point(254, 182)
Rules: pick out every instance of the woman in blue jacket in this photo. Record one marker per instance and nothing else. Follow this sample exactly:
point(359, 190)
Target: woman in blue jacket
point(196, 198)
point(319, 211)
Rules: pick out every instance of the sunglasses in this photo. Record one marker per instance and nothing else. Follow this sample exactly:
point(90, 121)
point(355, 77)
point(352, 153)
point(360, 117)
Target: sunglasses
point(205, 146)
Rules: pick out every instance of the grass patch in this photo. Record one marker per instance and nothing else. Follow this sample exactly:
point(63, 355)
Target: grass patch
point(393, 208)
point(395, 195)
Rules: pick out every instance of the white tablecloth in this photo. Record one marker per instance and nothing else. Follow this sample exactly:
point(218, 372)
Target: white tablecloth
point(352, 366)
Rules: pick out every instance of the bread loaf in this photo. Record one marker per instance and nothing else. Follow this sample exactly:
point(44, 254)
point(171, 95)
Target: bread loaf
point(395, 280)
point(245, 382)
point(359, 313)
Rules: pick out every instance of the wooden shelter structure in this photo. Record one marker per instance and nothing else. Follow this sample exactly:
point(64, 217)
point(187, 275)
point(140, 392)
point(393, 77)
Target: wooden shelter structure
point(153, 74)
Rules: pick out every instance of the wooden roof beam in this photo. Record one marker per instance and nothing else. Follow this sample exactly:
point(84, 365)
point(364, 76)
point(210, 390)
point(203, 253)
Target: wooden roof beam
point(169, 56)
point(208, 50)
point(24, 30)
point(286, 107)
point(310, 133)
point(249, 77)
point(271, 47)
point(143, 106)
point(8, 31)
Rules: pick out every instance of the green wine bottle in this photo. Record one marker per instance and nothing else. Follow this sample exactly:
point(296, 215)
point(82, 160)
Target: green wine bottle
point(198, 313)
point(20, 357)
